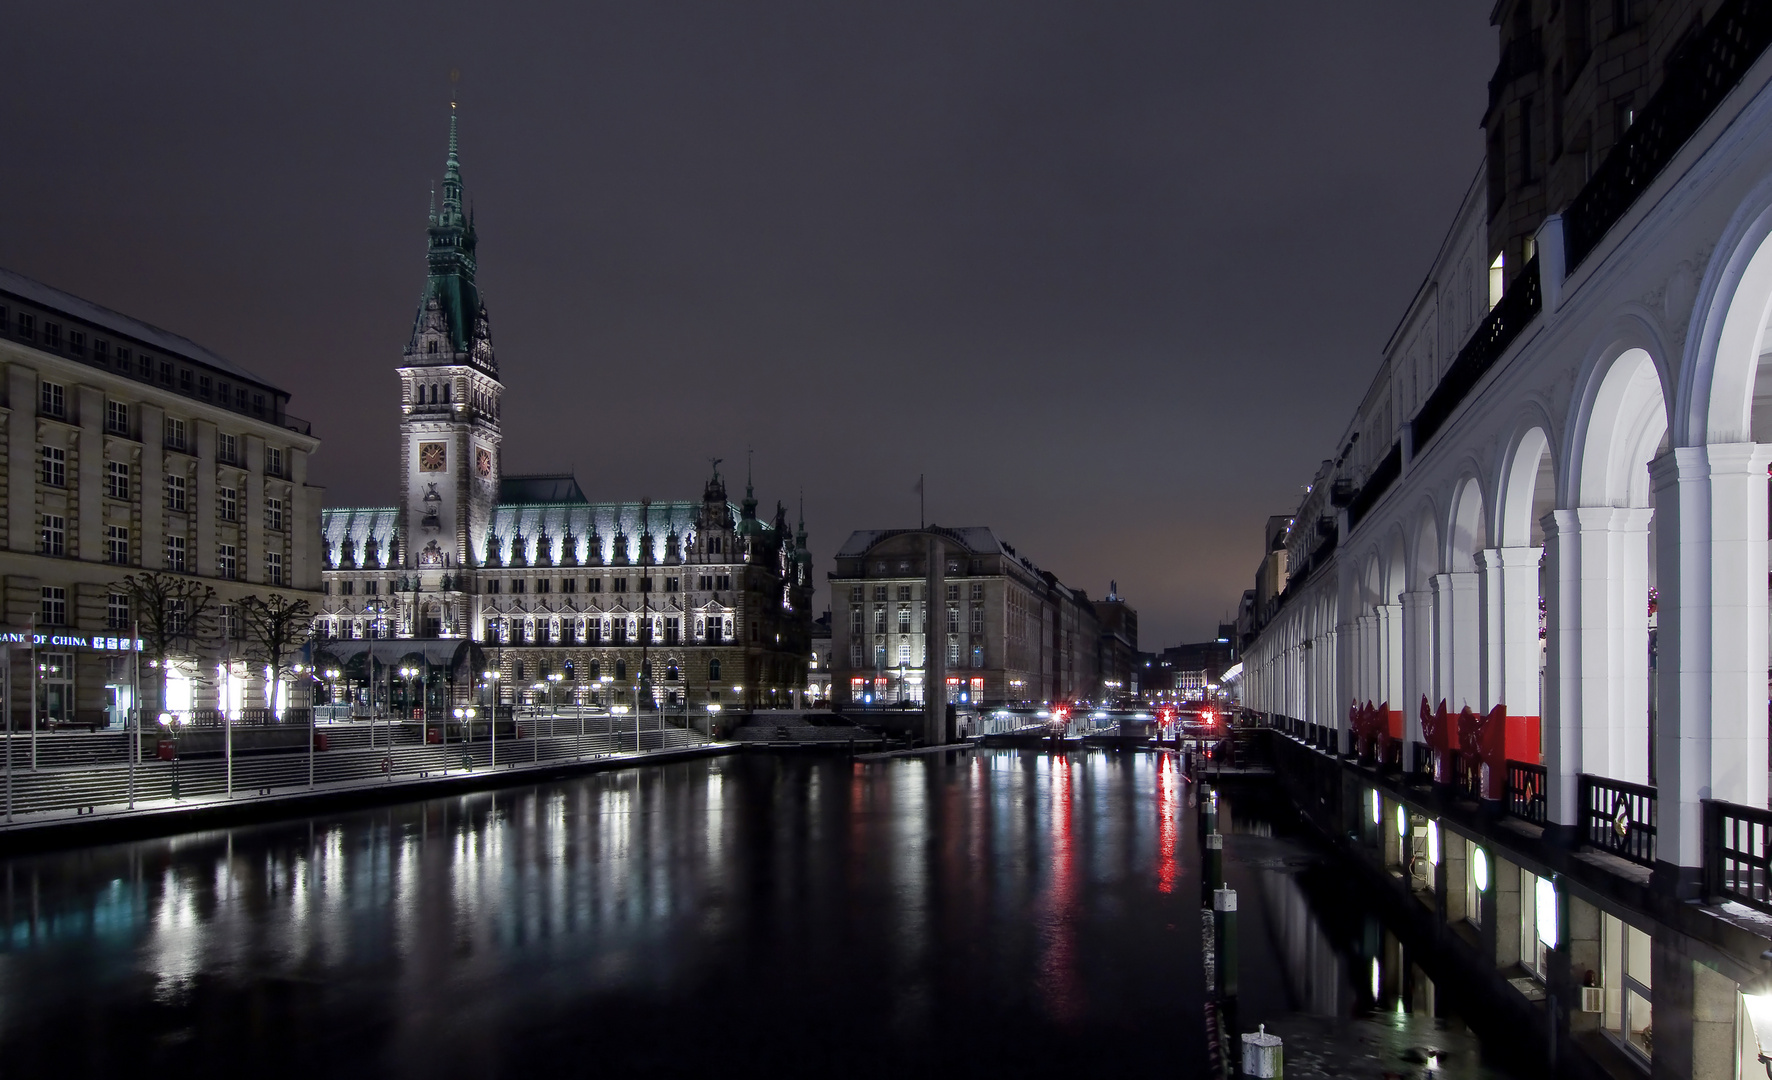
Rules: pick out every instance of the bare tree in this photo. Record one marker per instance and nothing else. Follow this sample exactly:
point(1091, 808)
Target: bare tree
point(174, 615)
point(275, 630)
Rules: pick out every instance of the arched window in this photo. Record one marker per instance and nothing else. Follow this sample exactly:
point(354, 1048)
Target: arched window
point(671, 672)
point(621, 671)
point(566, 669)
point(447, 387)
point(433, 393)
point(713, 671)
point(519, 671)
point(431, 347)
point(646, 669)
point(596, 670)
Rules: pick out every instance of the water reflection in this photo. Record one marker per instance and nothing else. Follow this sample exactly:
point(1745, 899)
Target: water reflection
point(996, 911)
point(1320, 967)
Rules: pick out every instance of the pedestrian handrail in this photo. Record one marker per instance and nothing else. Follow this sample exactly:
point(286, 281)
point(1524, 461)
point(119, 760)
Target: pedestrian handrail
point(1738, 853)
point(1619, 818)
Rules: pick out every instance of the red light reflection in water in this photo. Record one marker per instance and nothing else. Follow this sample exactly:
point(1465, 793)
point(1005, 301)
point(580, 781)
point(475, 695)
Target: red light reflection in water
point(1058, 969)
point(1169, 783)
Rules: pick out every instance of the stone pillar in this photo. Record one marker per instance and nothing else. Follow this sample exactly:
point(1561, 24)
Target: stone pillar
point(1710, 740)
point(1501, 923)
point(1418, 672)
point(1509, 601)
point(1694, 1013)
point(1597, 676)
point(1460, 639)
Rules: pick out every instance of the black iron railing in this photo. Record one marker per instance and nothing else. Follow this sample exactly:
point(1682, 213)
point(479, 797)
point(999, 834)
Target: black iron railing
point(256, 717)
point(1518, 307)
point(1619, 818)
point(1466, 775)
point(1377, 483)
point(1526, 787)
point(1738, 853)
point(1390, 755)
point(1698, 77)
point(1424, 762)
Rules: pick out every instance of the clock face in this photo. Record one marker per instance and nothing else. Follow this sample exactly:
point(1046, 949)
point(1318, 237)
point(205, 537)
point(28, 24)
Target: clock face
point(432, 457)
point(483, 462)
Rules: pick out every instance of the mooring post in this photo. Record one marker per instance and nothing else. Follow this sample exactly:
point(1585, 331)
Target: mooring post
point(1224, 910)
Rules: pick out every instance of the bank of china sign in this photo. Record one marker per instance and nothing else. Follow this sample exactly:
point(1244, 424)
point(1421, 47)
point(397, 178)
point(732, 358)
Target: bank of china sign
point(95, 642)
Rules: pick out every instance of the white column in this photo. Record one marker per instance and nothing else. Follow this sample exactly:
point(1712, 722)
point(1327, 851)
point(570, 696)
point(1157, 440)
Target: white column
point(1389, 686)
point(1459, 678)
point(1509, 601)
point(1711, 651)
point(1418, 665)
point(1597, 681)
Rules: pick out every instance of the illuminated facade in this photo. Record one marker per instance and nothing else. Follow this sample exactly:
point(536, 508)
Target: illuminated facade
point(575, 601)
point(127, 450)
point(1012, 633)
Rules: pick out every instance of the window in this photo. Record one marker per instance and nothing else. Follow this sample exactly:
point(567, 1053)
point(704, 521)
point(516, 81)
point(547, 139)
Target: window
point(542, 585)
point(977, 662)
point(953, 590)
point(175, 434)
point(753, 630)
point(274, 514)
point(880, 619)
point(371, 588)
point(177, 617)
point(274, 461)
point(568, 585)
point(673, 584)
point(53, 608)
point(185, 380)
point(723, 581)
point(1497, 279)
point(76, 343)
point(175, 493)
point(55, 466)
point(117, 479)
point(518, 585)
point(855, 593)
point(222, 393)
point(594, 585)
point(672, 627)
point(175, 554)
point(55, 535)
point(27, 326)
point(493, 587)
point(714, 670)
point(978, 618)
point(953, 653)
point(227, 503)
point(52, 400)
point(228, 623)
point(101, 350)
point(954, 622)
point(855, 654)
point(978, 590)
point(904, 618)
point(1625, 952)
point(349, 588)
point(619, 584)
point(117, 544)
point(117, 611)
point(879, 593)
point(117, 417)
point(203, 387)
point(165, 372)
point(52, 335)
point(225, 563)
point(904, 653)
point(274, 568)
point(645, 584)
point(855, 619)
point(227, 449)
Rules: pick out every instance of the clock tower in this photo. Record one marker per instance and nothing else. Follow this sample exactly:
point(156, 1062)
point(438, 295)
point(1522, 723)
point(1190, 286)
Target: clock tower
point(449, 424)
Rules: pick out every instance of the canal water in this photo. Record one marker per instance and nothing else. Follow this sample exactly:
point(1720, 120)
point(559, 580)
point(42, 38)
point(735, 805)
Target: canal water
point(1007, 913)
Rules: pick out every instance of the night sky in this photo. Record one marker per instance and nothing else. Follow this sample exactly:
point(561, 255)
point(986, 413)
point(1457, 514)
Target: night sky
point(1113, 275)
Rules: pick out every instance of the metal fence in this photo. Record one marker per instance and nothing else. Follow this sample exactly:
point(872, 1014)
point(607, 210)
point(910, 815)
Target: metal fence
point(1619, 818)
point(1526, 786)
point(1738, 853)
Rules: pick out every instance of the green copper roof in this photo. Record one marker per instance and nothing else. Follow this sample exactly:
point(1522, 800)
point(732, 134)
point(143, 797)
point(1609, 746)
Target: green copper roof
point(451, 301)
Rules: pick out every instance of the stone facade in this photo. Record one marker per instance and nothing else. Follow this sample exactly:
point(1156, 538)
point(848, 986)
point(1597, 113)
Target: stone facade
point(1012, 633)
point(129, 449)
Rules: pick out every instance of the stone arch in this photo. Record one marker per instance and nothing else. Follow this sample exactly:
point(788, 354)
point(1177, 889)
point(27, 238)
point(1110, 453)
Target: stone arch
point(1466, 533)
point(1623, 424)
point(1526, 488)
point(1730, 318)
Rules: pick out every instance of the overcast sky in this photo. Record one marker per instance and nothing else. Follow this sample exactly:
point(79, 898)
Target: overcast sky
point(1113, 275)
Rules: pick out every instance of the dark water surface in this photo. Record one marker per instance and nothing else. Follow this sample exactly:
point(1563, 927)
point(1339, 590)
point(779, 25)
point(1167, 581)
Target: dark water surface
point(989, 914)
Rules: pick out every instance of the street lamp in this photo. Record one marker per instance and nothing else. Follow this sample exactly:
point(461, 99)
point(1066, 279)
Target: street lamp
point(490, 685)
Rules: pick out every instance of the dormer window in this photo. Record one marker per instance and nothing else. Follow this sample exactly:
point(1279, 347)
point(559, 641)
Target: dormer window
point(431, 347)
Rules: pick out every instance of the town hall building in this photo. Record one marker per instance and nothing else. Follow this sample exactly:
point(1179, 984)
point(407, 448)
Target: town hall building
point(567, 600)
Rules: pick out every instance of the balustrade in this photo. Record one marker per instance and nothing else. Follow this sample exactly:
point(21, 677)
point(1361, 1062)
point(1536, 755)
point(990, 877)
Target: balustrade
point(1619, 818)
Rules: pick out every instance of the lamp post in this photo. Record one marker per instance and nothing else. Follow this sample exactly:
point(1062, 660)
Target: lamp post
point(535, 736)
point(554, 678)
point(492, 711)
point(407, 673)
point(171, 720)
point(609, 701)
